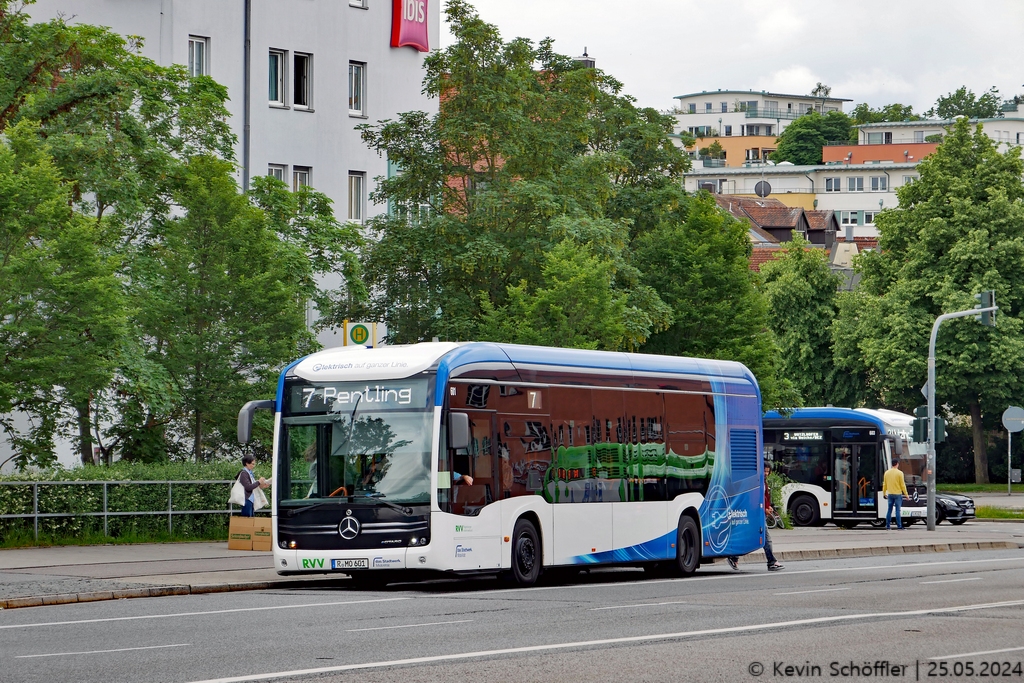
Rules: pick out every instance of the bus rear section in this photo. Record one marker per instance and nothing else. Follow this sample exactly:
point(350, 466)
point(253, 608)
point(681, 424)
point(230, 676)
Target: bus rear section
point(835, 459)
point(475, 458)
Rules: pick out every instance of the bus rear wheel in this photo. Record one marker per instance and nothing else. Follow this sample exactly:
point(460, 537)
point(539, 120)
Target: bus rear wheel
point(687, 546)
point(526, 554)
point(803, 510)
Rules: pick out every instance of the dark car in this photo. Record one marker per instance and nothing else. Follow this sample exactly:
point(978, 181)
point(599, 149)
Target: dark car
point(954, 507)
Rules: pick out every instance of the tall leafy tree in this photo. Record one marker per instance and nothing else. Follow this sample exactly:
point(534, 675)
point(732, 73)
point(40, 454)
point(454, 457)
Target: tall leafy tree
point(864, 113)
point(61, 307)
point(957, 231)
point(222, 303)
point(528, 150)
point(802, 140)
point(964, 102)
point(801, 292)
point(698, 261)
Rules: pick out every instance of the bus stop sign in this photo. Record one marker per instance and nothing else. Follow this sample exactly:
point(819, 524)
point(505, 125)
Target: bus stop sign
point(1013, 419)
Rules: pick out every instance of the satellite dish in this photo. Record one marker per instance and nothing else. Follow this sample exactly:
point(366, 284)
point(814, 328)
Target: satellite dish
point(762, 189)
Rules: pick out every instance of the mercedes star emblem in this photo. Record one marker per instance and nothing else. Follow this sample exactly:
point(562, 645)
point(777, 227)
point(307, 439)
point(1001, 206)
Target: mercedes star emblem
point(349, 528)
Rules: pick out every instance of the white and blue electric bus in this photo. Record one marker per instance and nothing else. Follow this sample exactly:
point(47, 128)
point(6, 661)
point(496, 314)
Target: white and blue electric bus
point(835, 459)
point(468, 458)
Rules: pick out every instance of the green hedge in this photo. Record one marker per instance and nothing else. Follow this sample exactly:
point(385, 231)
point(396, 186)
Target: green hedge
point(135, 497)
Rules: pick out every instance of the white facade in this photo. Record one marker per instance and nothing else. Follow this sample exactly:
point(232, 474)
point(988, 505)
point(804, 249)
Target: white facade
point(1006, 131)
point(745, 112)
point(856, 192)
point(338, 53)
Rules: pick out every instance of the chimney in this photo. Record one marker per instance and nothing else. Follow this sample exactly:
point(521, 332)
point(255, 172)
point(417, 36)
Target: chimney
point(586, 61)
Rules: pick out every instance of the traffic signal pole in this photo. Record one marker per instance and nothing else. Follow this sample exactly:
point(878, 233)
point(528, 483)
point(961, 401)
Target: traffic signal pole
point(989, 320)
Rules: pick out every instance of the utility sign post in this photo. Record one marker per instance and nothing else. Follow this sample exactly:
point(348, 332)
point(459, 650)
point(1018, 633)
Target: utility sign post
point(1013, 420)
point(986, 314)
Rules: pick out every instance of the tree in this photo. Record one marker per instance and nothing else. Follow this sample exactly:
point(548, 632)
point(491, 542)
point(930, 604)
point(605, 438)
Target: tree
point(964, 102)
point(528, 150)
point(221, 303)
point(863, 113)
point(61, 307)
point(698, 261)
point(802, 140)
point(958, 230)
point(117, 127)
point(712, 151)
point(801, 292)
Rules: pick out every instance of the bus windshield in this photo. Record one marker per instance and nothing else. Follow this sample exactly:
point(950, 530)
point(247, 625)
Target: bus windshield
point(362, 443)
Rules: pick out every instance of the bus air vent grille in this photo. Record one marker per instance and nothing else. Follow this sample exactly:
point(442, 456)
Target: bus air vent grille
point(744, 450)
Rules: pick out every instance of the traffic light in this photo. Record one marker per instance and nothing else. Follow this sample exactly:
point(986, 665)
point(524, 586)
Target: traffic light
point(920, 429)
point(920, 426)
point(987, 299)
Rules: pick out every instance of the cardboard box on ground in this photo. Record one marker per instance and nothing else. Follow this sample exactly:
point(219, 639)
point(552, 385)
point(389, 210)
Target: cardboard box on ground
point(249, 533)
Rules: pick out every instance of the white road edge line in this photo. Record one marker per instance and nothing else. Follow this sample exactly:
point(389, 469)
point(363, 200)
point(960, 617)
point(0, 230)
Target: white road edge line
point(975, 654)
point(608, 641)
point(818, 590)
point(197, 614)
point(973, 578)
point(101, 652)
point(385, 628)
point(639, 604)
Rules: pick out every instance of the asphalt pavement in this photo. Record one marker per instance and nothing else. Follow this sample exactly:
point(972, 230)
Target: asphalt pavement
point(31, 577)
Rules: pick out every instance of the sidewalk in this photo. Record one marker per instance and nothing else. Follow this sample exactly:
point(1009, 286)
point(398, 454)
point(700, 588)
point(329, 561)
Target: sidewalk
point(31, 577)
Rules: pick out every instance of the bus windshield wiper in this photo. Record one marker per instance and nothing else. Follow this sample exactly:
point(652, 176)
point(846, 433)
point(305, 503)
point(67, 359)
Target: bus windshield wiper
point(294, 511)
point(407, 511)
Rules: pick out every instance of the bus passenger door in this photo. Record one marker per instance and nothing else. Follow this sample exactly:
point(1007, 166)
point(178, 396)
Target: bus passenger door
point(867, 479)
point(843, 484)
point(477, 534)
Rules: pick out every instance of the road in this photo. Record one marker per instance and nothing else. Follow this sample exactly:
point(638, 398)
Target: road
point(610, 625)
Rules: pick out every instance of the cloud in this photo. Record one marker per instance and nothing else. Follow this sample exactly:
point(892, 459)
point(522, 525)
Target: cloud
point(793, 80)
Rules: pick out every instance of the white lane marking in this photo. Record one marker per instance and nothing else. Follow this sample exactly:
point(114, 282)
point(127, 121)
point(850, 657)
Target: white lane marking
point(819, 590)
point(973, 578)
point(199, 614)
point(102, 652)
point(639, 604)
point(385, 628)
point(610, 641)
point(732, 576)
point(975, 654)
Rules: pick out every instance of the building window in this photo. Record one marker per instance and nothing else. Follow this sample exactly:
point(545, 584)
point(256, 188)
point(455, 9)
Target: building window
point(907, 179)
point(869, 219)
point(356, 189)
point(728, 130)
point(919, 137)
point(275, 89)
point(356, 88)
point(725, 107)
point(277, 171)
point(879, 183)
point(300, 177)
point(832, 185)
point(302, 81)
point(768, 130)
point(855, 184)
point(198, 57)
point(693, 108)
point(849, 218)
point(707, 107)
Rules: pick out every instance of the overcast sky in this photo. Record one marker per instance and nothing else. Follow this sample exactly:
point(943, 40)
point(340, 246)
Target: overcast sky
point(875, 51)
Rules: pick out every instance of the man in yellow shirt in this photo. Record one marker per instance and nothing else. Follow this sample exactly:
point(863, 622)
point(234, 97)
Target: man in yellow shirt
point(894, 486)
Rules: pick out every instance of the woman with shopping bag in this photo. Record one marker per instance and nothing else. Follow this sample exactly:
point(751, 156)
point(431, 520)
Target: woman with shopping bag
point(250, 486)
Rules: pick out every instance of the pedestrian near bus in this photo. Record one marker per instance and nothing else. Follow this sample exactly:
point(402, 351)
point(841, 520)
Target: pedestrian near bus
point(769, 556)
point(250, 483)
point(894, 487)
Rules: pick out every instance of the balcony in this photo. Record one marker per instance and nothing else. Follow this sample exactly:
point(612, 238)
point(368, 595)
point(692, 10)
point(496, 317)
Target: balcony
point(777, 114)
point(712, 163)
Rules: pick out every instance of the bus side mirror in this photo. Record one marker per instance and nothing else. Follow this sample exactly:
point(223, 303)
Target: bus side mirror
point(897, 447)
point(458, 430)
point(245, 418)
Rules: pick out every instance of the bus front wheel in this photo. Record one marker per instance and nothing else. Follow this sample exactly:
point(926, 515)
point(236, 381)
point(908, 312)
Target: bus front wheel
point(804, 511)
point(687, 546)
point(526, 555)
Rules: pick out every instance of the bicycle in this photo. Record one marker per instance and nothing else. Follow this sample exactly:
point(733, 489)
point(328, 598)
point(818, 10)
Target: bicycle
point(773, 520)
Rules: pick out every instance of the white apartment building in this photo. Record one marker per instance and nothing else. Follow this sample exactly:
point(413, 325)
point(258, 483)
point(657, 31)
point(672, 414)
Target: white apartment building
point(1006, 131)
point(726, 113)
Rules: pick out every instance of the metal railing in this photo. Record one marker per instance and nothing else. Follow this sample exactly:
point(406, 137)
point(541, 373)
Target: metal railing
point(778, 114)
point(170, 512)
point(712, 163)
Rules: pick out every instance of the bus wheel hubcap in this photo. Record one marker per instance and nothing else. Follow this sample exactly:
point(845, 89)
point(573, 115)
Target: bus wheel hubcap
point(525, 554)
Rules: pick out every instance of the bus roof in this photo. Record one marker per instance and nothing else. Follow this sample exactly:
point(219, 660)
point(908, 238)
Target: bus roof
point(880, 417)
point(357, 363)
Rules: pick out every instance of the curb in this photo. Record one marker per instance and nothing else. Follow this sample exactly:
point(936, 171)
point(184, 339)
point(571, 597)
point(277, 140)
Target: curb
point(200, 589)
